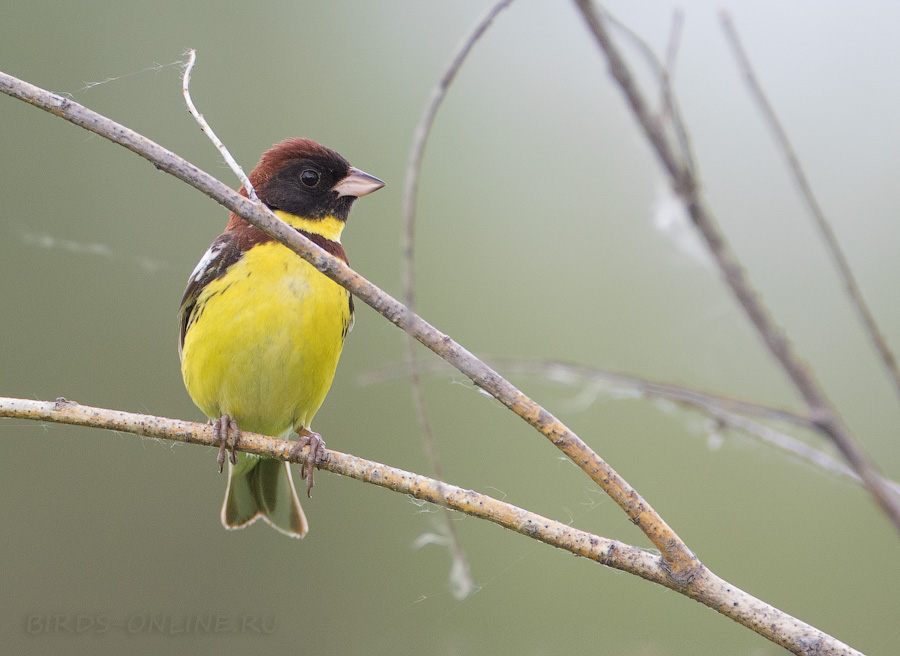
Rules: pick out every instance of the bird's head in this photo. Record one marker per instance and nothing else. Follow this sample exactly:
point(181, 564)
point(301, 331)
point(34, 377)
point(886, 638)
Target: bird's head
point(303, 178)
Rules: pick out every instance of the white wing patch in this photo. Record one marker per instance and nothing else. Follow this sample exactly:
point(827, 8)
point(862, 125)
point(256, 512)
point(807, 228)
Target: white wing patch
point(208, 257)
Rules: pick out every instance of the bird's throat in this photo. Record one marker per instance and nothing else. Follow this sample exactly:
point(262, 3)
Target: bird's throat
point(328, 227)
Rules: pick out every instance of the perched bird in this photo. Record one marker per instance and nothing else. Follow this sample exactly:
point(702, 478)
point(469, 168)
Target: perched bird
point(261, 330)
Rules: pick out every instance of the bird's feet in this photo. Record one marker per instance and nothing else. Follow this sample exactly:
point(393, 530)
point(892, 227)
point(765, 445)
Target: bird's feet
point(316, 450)
point(227, 435)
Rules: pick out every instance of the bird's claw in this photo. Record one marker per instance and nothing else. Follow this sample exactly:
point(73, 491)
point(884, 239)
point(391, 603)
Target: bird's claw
point(316, 450)
point(227, 434)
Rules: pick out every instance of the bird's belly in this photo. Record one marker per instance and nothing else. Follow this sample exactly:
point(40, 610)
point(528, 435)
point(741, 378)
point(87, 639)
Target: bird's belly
point(266, 344)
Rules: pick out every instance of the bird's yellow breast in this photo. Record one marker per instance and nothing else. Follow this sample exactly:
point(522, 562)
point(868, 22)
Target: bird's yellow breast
point(266, 341)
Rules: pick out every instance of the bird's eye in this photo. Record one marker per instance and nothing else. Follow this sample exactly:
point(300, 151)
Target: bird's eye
point(309, 177)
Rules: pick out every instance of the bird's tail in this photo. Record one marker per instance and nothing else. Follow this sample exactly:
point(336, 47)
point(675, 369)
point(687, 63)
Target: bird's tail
point(262, 487)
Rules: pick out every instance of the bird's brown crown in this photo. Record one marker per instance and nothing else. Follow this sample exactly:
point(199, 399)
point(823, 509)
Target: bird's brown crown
point(297, 149)
point(297, 176)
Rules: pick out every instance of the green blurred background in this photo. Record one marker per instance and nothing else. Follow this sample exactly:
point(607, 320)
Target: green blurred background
point(538, 237)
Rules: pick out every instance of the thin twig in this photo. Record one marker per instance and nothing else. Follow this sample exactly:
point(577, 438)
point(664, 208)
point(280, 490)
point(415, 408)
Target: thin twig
point(557, 370)
point(667, 102)
point(793, 446)
point(679, 559)
point(851, 286)
point(726, 409)
point(705, 587)
point(734, 413)
point(570, 372)
point(686, 185)
point(420, 138)
point(461, 577)
point(675, 32)
point(207, 129)
point(670, 112)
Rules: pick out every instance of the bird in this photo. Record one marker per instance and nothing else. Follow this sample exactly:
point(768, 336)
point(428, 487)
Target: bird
point(261, 330)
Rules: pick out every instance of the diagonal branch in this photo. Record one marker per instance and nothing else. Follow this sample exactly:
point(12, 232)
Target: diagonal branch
point(669, 109)
point(837, 254)
point(705, 587)
point(680, 561)
point(686, 185)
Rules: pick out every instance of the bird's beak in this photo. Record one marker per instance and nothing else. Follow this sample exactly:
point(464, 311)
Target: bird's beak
point(357, 183)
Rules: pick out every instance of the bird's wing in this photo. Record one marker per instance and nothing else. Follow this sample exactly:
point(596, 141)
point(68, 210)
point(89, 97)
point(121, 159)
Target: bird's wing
point(223, 252)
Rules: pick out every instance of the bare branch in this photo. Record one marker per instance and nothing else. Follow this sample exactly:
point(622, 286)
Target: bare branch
point(837, 254)
point(570, 372)
point(668, 69)
point(669, 111)
point(207, 129)
point(793, 446)
point(680, 560)
point(420, 138)
point(608, 552)
point(460, 573)
point(675, 32)
point(731, 412)
point(686, 185)
point(706, 401)
point(704, 586)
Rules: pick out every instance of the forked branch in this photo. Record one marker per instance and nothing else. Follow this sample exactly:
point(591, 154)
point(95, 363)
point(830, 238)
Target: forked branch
point(680, 560)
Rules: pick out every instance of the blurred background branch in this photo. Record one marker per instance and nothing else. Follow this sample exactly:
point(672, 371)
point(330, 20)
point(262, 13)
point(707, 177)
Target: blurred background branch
point(851, 286)
point(686, 185)
point(461, 577)
point(597, 383)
